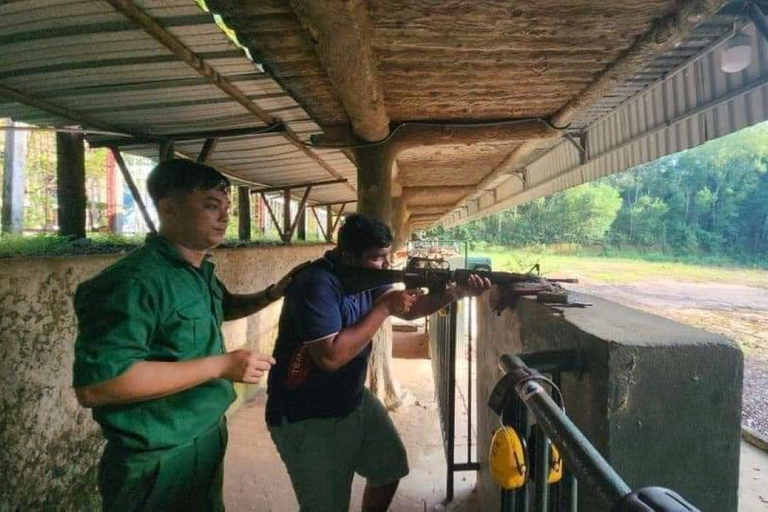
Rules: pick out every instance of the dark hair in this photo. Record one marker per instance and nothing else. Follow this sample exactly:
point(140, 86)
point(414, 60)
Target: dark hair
point(360, 233)
point(182, 175)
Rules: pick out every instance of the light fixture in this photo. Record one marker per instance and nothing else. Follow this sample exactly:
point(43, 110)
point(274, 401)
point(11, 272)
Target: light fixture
point(737, 53)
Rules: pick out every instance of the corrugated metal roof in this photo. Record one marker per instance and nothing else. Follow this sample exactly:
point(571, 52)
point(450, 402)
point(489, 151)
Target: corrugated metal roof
point(686, 106)
point(89, 59)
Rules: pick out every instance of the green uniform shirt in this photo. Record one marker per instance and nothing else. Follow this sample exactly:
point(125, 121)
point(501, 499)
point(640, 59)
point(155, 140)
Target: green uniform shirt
point(152, 305)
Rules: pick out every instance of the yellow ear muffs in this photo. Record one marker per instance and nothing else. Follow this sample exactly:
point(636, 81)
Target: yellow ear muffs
point(555, 465)
point(508, 461)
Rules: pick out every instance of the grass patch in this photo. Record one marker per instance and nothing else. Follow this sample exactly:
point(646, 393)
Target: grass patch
point(624, 268)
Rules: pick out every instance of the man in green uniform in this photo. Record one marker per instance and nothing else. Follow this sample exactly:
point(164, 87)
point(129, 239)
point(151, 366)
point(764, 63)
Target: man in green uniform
point(149, 355)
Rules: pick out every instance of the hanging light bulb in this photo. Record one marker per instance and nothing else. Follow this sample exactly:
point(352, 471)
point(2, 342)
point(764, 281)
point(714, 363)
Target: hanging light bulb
point(737, 53)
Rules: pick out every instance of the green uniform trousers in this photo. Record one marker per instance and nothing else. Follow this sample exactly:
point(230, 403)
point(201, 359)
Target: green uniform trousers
point(188, 477)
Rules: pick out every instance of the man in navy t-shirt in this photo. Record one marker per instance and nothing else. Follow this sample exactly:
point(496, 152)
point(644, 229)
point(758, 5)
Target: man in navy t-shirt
point(326, 425)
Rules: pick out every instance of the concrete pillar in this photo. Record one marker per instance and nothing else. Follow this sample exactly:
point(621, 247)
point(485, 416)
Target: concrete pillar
point(659, 400)
point(70, 188)
point(13, 179)
point(244, 213)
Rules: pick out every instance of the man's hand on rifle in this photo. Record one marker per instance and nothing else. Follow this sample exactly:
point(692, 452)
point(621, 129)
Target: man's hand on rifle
point(474, 286)
point(399, 302)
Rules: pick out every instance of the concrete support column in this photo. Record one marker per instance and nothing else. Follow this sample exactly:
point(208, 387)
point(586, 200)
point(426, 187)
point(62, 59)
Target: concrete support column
point(13, 179)
point(70, 188)
point(243, 213)
point(661, 401)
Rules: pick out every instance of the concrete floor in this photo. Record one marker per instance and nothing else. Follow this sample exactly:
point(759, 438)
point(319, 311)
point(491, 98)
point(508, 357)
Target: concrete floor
point(753, 480)
point(256, 479)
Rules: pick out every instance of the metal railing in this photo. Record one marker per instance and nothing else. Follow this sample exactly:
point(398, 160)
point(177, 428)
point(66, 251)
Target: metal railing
point(523, 402)
point(443, 348)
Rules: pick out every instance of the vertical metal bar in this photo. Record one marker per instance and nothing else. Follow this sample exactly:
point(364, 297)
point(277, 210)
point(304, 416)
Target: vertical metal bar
point(469, 379)
point(524, 431)
point(451, 388)
point(541, 468)
point(132, 186)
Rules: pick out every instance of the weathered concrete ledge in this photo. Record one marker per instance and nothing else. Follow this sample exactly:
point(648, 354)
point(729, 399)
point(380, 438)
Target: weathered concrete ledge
point(660, 400)
point(50, 445)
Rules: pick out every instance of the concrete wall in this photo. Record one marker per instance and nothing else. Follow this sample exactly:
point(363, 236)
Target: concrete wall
point(660, 400)
point(48, 444)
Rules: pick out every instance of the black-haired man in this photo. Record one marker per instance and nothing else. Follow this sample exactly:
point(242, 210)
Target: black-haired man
point(149, 355)
point(325, 424)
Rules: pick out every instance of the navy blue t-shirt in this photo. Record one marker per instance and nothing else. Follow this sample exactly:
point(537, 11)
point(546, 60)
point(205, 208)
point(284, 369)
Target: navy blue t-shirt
point(316, 307)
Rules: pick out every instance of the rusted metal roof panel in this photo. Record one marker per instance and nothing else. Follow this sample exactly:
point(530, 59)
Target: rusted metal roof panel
point(94, 63)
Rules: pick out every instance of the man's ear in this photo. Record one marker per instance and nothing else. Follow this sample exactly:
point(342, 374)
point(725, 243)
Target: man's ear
point(167, 207)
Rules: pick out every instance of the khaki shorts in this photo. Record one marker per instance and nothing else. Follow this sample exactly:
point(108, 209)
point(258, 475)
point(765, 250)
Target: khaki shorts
point(322, 455)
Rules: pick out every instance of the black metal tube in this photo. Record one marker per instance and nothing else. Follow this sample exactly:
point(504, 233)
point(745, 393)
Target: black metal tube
point(541, 471)
point(584, 460)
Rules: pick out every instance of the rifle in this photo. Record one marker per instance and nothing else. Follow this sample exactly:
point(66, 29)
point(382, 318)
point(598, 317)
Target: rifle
point(358, 279)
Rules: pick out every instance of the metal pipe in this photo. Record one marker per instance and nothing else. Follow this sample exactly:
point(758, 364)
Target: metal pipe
point(541, 471)
point(586, 462)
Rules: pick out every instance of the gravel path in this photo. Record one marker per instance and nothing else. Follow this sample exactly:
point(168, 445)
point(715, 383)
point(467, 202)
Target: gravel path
point(755, 402)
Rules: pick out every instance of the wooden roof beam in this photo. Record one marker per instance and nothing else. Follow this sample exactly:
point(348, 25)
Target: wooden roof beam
point(341, 35)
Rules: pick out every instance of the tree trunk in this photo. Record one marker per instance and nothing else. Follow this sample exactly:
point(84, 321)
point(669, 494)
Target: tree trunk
point(374, 185)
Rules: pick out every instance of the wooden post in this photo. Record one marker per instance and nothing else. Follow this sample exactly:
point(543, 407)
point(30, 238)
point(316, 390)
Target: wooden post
point(287, 216)
point(13, 180)
point(167, 151)
point(70, 187)
point(374, 185)
point(328, 224)
point(301, 229)
point(244, 213)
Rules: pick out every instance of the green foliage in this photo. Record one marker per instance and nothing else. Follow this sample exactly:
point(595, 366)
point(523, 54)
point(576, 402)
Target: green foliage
point(709, 203)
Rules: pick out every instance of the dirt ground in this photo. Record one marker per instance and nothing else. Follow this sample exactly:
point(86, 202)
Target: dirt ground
point(737, 311)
